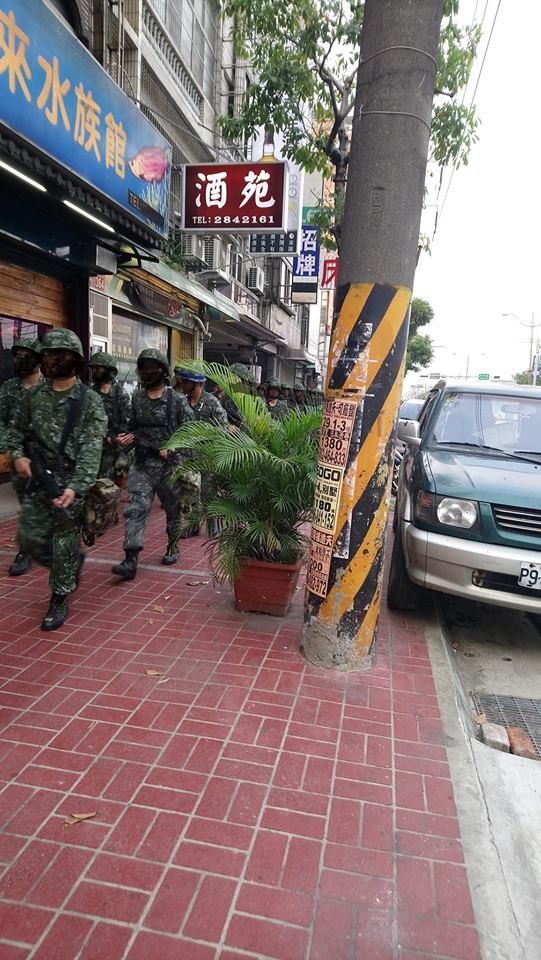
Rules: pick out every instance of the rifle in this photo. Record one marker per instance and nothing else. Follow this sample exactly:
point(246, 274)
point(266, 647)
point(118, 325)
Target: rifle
point(43, 476)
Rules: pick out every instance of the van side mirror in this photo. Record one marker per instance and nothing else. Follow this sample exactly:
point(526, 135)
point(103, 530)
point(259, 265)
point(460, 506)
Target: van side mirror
point(409, 432)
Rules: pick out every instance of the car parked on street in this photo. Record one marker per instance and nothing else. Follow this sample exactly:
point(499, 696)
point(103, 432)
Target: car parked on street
point(468, 513)
point(409, 410)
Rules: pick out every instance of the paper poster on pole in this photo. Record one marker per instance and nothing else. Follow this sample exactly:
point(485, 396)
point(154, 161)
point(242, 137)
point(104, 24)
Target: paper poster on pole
point(336, 433)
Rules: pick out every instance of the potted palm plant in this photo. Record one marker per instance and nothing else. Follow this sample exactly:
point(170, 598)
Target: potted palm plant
point(258, 493)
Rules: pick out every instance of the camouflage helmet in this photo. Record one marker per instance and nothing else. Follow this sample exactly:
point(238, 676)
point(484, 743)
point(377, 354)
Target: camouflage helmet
point(243, 372)
point(273, 382)
point(62, 339)
point(152, 354)
point(27, 343)
point(103, 359)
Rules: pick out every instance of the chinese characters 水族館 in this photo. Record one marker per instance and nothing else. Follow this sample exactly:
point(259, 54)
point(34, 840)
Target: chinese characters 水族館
point(60, 100)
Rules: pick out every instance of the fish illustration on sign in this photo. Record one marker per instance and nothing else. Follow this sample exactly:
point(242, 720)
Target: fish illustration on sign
point(150, 164)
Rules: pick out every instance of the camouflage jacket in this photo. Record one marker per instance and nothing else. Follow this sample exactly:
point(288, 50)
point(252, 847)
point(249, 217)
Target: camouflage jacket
point(117, 405)
point(43, 415)
point(279, 410)
point(11, 394)
point(154, 421)
point(209, 409)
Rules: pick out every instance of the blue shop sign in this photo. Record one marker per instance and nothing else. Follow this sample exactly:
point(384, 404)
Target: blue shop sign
point(306, 267)
point(57, 97)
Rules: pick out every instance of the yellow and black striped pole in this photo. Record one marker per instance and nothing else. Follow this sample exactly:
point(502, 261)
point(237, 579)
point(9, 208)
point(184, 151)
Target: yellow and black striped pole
point(369, 339)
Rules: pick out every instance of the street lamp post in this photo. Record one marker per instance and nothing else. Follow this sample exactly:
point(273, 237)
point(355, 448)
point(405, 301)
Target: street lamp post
point(531, 325)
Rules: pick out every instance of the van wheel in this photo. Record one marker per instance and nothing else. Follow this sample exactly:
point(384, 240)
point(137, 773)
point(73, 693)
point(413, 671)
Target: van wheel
point(402, 594)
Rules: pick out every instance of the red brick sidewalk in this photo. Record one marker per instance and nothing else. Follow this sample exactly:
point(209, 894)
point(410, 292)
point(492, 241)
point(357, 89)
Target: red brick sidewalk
point(246, 805)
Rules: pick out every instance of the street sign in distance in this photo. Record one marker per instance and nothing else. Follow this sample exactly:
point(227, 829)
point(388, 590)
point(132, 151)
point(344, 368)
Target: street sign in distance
point(484, 376)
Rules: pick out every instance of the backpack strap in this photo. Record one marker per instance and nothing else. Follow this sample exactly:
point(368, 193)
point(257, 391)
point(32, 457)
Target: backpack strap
point(76, 405)
point(170, 424)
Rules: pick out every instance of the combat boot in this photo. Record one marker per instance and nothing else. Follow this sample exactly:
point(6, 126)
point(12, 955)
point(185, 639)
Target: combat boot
point(57, 614)
point(171, 554)
point(20, 565)
point(128, 567)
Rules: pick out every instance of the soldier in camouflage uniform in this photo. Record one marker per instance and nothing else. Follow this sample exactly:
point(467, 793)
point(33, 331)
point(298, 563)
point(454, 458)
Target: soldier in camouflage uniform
point(157, 412)
point(247, 382)
point(277, 407)
point(50, 526)
point(117, 405)
point(299, 396)
point(26, 357)
point(207, 408)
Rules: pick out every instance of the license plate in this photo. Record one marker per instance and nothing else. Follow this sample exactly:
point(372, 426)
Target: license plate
point(530, 576)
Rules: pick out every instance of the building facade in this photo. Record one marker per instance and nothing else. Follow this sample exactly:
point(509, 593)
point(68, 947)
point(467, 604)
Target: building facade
point(130, 277)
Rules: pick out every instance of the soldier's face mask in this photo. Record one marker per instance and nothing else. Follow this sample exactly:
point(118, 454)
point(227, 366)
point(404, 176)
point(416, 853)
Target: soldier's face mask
point(60, 364)
point(188, 387)
point(151, 374)
point(102, 374)
point(26, 361)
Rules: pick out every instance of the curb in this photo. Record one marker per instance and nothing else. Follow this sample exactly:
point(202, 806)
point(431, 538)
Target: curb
point(495, 918)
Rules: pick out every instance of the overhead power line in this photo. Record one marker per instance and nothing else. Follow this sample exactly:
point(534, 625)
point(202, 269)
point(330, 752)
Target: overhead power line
point(472, 100)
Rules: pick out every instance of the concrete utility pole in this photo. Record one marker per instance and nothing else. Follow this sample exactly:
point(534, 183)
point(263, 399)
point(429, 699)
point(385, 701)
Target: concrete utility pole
point(391, 129)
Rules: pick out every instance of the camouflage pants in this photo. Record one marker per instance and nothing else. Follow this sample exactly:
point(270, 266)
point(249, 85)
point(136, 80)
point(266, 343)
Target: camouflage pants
point(154, 477)
point(45, 537)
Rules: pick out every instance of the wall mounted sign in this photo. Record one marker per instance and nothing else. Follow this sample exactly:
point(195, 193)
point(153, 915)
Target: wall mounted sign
point(57, 97)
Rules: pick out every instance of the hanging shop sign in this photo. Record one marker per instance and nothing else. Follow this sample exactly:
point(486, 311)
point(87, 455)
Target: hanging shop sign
point(335, 441)
point(306, 268)
point(235, 197)
point(56, 96)
point(284, 244)
point(329, 274)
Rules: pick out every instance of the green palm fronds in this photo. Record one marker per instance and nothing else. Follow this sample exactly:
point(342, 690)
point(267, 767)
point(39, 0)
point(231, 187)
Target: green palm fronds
point(260, 477)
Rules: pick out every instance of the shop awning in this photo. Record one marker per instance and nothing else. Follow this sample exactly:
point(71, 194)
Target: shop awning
point(300, 355)
point(211, 298)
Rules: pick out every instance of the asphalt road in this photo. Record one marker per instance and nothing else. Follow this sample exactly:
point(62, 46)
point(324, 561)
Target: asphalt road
point(495, 650)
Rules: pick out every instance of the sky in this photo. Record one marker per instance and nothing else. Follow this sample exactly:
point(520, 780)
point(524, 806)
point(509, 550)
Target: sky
point(486, 255)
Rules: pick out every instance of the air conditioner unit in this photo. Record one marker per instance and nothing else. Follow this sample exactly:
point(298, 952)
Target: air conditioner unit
point(256, 280)
point(192, 248)
point(216, 253)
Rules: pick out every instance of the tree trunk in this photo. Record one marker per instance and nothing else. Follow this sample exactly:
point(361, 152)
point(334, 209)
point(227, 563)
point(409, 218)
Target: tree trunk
point(340, 184)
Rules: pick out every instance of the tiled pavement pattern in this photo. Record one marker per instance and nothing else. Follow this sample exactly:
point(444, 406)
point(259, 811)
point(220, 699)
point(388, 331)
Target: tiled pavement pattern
point(247, 805)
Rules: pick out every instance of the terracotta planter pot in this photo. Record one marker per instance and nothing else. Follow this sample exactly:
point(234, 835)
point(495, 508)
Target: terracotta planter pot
point(266, 587)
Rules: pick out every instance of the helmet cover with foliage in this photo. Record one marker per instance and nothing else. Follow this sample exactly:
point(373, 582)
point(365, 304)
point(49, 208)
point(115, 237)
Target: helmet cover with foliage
point(152, 354)
point(103, 359)
point(242, 372)
point(273, 382)
point(62, 339)
point(27, 343)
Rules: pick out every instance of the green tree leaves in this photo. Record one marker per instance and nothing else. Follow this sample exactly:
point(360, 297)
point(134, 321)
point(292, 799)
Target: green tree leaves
point(420, 346)
point(305, 57)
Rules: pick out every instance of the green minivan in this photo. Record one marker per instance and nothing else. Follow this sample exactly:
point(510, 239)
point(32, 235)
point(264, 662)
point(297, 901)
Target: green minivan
point(468, 511)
